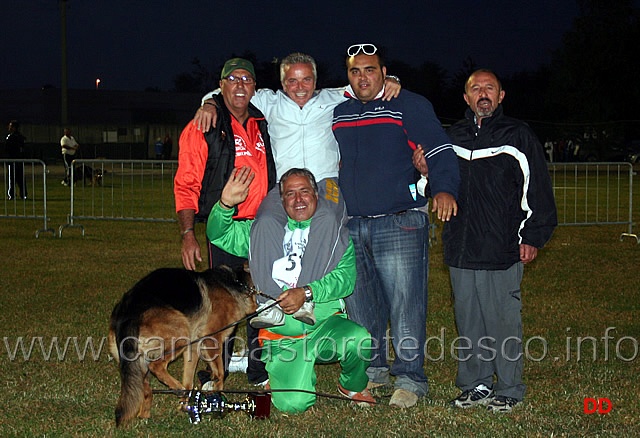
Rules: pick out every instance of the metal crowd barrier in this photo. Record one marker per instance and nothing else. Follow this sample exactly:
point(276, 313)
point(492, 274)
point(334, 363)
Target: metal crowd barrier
point(25, 197)
point(588, 194)
point(142, 190)
point(121, 190)
point(594, 194)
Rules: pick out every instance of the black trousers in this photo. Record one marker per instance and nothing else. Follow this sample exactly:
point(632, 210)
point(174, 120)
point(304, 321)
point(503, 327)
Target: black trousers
point(68, 159)
point(256, 372)
point(16, 177)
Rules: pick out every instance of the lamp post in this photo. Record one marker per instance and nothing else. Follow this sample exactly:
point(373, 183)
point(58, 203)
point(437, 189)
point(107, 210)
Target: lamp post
point(97, 83)
point(64, 116)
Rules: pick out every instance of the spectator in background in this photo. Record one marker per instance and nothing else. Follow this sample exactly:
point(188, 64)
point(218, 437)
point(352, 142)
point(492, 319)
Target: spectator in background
point(167, 147)
point(69, 147)
point(548, 148)
point(561, 150)
point(569, 150)
point(158, 147)
point(15, 149)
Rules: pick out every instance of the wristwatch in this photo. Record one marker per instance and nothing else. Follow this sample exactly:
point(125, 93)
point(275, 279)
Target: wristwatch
point(308, 293)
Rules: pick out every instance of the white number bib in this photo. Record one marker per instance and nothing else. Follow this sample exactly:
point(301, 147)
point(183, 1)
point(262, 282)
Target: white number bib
point(286, 270)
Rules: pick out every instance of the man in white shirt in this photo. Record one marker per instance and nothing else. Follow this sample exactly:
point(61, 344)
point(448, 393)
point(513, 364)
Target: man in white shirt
point(69, 148)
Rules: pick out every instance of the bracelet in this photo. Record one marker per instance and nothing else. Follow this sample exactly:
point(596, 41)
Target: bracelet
point(394, 77)
point(228, 207)
point(185, 232)
point(210, 103)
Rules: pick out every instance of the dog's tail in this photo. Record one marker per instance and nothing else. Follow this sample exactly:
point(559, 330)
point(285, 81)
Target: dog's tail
point(132, 375)
point(133, 372)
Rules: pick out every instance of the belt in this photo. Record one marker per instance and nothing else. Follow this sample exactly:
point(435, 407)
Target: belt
point(381, 215)
point(266, 335)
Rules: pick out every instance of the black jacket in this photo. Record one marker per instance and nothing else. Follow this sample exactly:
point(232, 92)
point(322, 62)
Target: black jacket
point(222, 156)
point(505, 198)
point(15, 145)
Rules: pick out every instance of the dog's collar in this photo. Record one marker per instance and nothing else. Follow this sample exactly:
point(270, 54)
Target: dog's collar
point(251, 290)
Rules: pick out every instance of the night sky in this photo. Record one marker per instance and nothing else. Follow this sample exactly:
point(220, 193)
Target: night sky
point(135, 44)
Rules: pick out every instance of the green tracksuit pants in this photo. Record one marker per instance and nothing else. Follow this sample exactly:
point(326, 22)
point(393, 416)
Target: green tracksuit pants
point(290, 361)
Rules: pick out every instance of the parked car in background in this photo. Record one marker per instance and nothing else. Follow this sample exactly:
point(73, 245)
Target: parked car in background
point(634, 152)
point(608, 150)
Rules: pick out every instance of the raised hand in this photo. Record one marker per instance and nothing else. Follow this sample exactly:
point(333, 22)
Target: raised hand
point(236, 189)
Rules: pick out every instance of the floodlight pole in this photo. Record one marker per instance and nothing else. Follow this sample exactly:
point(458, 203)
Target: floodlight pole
point(64, 115)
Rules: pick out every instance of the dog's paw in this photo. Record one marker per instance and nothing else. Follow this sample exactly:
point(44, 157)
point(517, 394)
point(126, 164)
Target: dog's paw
point(183, 405)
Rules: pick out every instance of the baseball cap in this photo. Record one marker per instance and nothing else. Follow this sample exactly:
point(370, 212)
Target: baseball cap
point(235, 63)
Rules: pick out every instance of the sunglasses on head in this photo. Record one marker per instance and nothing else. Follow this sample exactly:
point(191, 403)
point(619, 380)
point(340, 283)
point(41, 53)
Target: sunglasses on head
point(367, 49)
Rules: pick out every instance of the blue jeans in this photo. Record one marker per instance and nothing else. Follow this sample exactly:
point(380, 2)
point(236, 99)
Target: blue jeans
point(391, 286)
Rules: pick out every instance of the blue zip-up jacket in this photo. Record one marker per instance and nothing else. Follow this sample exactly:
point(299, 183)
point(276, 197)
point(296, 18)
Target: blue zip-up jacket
point(377, 140)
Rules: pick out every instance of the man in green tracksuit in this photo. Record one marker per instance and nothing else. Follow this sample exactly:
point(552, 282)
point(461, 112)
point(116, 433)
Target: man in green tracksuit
point(292, 348)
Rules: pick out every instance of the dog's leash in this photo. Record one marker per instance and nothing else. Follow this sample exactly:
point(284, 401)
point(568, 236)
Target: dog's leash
point(233, 324)
point(257, 403)
point(187, 392)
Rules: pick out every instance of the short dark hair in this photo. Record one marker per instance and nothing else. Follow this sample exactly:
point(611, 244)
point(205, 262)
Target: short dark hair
point(296, 171)
point(483, 70)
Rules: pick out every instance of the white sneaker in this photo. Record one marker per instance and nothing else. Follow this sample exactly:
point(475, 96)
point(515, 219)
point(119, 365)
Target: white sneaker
point(305, 313)
point(264, 384)
point(502, 404)
point(480, 395)
point(272, 317)
point(238, 364)
point(208, 386)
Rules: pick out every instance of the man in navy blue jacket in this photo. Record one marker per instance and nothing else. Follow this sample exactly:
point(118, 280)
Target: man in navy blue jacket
point(388, 222)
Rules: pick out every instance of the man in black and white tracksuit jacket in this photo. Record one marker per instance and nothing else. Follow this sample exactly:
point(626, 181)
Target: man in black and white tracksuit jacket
point(506, 212)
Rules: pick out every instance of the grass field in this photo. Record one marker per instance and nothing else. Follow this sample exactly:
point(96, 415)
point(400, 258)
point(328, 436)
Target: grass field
point(581, 321)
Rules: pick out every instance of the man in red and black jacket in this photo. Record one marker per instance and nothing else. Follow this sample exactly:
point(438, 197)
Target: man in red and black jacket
point(206, 161)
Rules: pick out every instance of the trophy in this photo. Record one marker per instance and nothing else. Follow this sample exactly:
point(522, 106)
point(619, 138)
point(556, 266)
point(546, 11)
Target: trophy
point(256, 405)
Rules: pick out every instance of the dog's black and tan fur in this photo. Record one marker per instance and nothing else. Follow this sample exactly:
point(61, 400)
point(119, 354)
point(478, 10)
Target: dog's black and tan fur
point(158, 320)
point(86, 173)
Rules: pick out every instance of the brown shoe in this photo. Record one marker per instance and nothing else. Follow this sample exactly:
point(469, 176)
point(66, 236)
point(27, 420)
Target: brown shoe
point(362, 398)
point(403, 399)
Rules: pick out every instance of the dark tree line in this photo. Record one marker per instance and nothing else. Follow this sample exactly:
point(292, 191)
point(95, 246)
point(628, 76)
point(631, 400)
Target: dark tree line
point(592, 77)
point(594, 73)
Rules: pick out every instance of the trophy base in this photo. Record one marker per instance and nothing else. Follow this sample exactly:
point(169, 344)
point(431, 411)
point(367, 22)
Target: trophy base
point(256, 405)
point(262, 404)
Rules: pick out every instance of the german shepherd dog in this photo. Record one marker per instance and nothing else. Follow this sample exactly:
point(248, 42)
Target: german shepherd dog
point(169, 313)
point(87, 173)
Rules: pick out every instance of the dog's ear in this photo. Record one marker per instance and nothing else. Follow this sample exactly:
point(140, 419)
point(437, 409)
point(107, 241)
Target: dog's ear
point(246, 275)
